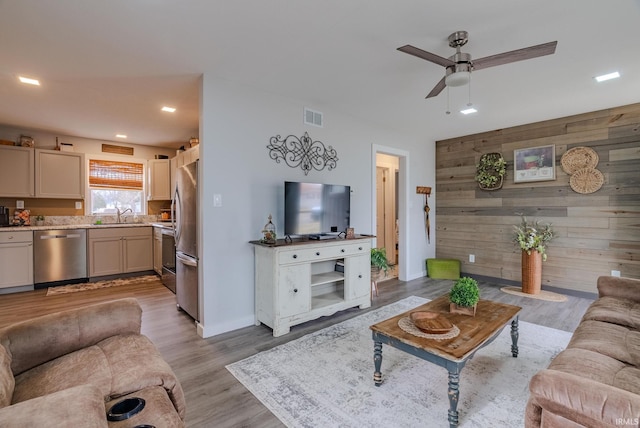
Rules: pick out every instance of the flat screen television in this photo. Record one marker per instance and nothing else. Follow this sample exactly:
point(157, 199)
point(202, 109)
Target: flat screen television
point(316, 210)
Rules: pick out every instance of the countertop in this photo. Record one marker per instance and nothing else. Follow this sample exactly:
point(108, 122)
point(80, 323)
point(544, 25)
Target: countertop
point(80, 226)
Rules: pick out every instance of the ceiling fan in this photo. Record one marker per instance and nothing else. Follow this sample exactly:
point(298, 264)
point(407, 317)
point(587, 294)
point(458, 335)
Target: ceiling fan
point(460, 65)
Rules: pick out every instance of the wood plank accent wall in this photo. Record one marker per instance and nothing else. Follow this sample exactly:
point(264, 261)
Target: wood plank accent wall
point(595, 233)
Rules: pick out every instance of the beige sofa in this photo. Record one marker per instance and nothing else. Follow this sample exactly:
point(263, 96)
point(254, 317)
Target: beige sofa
point(595, 382)
point(67, 369)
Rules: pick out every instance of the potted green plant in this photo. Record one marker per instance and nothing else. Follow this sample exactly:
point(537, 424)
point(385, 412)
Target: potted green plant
point(39, 220)
point(490, 171)
point(378, 262)
point(532, 238)
point(464, 296)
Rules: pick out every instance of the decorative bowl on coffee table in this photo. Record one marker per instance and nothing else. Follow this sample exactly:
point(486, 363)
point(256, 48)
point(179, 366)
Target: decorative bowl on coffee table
point(431, 322)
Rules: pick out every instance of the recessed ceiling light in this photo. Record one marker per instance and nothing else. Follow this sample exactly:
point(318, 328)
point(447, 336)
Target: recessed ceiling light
point(168, 109)
point(468, 110)
point(121, 136)
point(29, 81)
point(609, 76)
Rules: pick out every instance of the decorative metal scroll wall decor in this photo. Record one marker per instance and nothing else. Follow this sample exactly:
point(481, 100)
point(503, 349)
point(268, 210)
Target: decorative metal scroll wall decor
point(302, 152)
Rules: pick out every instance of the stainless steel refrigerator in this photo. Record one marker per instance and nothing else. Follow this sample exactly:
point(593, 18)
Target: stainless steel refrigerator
point(185, 207)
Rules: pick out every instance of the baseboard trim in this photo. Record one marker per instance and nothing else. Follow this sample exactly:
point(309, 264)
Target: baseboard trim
point(206, 331)
point(559, 290)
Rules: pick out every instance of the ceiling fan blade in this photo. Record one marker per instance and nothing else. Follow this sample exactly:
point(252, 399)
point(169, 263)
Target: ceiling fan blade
point(437, 89)
point(517, 55)
point(412, 50)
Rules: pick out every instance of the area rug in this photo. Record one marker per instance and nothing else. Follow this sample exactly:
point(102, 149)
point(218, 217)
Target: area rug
point(74, 288)
point(325, 379)
point(549, 296)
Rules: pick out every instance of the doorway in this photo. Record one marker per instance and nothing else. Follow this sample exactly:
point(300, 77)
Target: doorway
point(387, 167)
point(394, 171)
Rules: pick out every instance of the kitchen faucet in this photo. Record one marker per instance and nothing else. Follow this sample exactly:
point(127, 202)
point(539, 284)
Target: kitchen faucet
point(120, 213)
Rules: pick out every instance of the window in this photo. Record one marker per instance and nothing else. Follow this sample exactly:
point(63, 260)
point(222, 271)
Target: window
point(115, 184)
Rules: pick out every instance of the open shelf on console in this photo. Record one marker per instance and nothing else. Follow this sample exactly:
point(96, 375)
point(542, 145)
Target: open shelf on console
point(326, 278)
point(327, 294)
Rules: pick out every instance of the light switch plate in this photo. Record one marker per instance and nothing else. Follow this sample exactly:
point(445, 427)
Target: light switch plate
point(615, 273)
point(472, 258)
point(217, 200)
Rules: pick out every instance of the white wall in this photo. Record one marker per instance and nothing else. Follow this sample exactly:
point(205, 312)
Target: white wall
point(236, 125)
point(47, 140)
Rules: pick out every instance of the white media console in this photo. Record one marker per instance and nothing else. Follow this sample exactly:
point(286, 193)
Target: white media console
point(300, 281)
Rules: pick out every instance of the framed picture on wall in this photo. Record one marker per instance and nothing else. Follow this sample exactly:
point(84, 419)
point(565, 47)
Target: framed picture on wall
point(534, 164)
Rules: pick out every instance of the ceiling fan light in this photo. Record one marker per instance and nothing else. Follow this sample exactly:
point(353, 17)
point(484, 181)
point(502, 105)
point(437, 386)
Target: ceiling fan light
point(459, 78)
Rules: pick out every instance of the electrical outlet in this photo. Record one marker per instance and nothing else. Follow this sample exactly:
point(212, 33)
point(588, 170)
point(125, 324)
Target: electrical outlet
point(20, 205)
point(615, 273)
point(217, 200)
point(472, 258)
point(78, 205)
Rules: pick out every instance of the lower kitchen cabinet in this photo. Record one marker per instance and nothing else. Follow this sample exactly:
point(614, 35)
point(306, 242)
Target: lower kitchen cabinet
point(119, 250)
point(16, 259)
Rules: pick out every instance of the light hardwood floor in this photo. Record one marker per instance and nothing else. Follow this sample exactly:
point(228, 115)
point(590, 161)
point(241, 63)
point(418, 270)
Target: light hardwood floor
point(214, 397)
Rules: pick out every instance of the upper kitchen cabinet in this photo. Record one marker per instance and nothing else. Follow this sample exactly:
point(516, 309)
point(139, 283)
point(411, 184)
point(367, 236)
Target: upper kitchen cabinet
point(59, 174)
point(16, 172)
point(187, 156)
point(159, 180)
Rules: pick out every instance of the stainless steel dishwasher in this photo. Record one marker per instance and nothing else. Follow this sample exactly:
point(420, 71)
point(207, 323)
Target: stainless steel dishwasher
point(59, 256)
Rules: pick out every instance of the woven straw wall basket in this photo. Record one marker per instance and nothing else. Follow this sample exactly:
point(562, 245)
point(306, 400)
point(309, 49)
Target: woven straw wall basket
point(578, 158)
point(586, 180)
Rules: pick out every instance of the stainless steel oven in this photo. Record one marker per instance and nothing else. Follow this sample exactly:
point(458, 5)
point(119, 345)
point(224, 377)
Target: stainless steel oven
point(168, 259)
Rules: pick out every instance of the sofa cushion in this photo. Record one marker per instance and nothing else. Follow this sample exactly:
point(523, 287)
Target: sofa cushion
point(86, 366)
point(615, 311)
point(7, 381)
point(117, 366)
point(552, 420)
point(38, 340)
point(612, 340)
point(579, 399)
point(598, 367)
point(81, 406)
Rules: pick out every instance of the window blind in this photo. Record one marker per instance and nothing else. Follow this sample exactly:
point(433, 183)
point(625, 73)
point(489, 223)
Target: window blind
point(115, 174)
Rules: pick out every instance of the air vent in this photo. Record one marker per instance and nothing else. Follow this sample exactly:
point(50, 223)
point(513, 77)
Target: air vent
point(120, 150)
point(312, 117)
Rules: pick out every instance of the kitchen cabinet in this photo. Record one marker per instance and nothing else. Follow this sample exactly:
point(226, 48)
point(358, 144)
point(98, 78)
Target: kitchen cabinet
point(298, 282)
point(17, 172)
point(59, 174)
point(187, 156)
point(157, 250)
point(116, 250)
point(16, 259)
point(181, 159)
point(192, 155)
point(159, 180)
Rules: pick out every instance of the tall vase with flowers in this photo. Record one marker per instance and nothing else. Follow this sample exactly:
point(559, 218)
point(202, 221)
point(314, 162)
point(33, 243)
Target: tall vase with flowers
point(532, 238)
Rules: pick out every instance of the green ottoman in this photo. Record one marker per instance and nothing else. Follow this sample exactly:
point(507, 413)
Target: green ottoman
point(443, 268)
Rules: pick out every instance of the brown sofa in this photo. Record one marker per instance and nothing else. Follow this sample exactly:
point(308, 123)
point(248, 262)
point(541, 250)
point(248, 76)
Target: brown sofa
point(595, 382)
point(68, 369)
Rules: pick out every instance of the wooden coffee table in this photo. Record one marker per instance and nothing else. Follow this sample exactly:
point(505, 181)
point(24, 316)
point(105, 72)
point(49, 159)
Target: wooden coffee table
point(475, 333)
